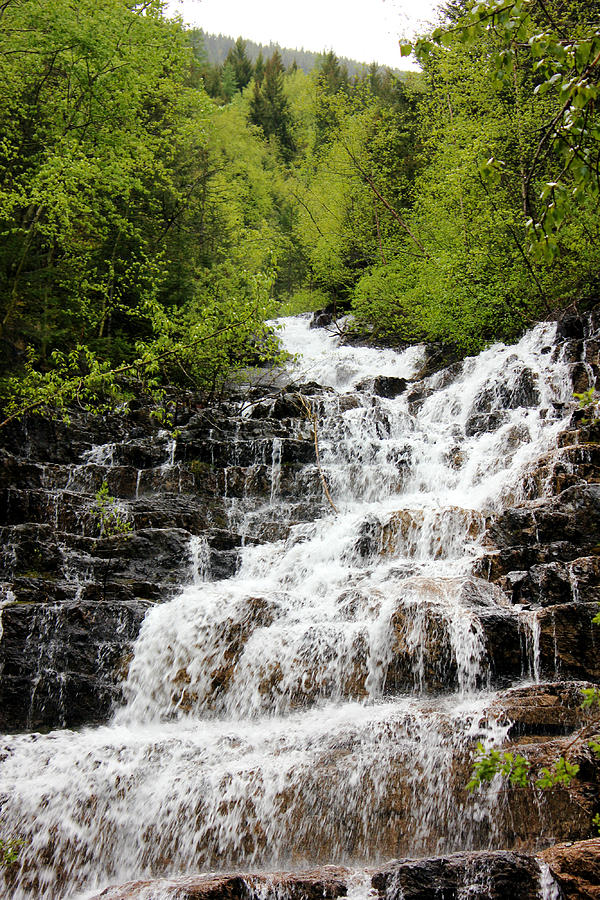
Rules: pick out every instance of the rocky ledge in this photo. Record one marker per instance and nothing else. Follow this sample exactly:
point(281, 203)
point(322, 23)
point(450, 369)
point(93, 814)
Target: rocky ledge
point(566, 872)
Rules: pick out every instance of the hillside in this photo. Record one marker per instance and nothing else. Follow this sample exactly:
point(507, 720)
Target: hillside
point(219, 45)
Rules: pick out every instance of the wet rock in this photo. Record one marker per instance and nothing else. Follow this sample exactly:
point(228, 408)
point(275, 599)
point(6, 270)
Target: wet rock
point(310, 388)
point(384, 386)
point(569, 641)
point(587, 435)
point(327, 883)
point(321, 318)
point(287, 406)
point(443, 627)
point(62, 664)
point(478, 424)
point(408, 532)
point(542, 710)
point(438, 356)
point(574, 515)
point(556, 582)
point(478, 876)
point(576, 868)
point(582, 377)
point(570, 327)
point(519, 392)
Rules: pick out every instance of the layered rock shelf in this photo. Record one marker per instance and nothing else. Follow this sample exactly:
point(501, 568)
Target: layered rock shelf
point(288, 658)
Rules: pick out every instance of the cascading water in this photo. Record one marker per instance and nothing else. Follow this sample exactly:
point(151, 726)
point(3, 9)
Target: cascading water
point(320, 705)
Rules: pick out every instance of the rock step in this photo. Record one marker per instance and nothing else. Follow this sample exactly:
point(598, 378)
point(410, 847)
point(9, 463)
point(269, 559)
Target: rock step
point(74, 513)
point(129, 483)
point(39, 551)
point(572, 516)
point(573, 871)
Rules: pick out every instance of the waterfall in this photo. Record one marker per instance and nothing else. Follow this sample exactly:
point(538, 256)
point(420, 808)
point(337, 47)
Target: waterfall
point(321, 704)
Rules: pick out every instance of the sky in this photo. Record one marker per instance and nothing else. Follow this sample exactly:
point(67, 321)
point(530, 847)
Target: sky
point(365, 30)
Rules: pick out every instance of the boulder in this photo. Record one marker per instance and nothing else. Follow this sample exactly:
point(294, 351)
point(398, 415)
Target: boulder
point(384, 386)
point(576, 868)
point(478, 876)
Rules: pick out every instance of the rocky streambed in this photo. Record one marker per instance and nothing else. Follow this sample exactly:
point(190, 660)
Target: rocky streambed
point(263, 674)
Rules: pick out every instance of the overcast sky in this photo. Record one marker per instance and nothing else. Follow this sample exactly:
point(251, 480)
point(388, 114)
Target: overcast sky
point(365, 30)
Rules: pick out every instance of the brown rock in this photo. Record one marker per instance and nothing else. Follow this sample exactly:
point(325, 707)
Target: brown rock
point(576, 868)
point(569, 641)
point(328, 883)
point(542, 709)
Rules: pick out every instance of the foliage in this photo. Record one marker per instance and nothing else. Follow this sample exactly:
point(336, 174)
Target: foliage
point(108, 516)
point(156, 208)
point(302, 300)
point(461, 207)
point(489, 763)
point(123, 212)
point(269, 108)
point(558, 47)
point(590, 400)
point(242, 66)
point(10, 849)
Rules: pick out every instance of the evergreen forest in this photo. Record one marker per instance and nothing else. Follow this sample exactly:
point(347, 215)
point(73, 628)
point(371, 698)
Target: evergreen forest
point(156, 209)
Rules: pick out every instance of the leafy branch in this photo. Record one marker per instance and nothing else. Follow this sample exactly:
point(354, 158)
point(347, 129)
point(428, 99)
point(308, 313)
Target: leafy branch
point(10, 850)
point(57, 388)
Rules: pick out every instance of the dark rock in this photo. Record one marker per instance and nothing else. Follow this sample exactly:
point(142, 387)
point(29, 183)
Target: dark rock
point(542, 710)
point(569, 641)
point(555, 582)
point(478, 876)
point(574, 515)
point(62, 664)
point(321, 319)
point(384, 386)
point(569, 327)
point(477, 424)
point(582, 377)
point(438, 356)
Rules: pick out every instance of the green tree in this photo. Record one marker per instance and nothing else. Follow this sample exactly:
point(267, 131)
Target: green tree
point(229, 82)
point(269, 108)
point(106, 211)
point(332, 76)
point(242, 66)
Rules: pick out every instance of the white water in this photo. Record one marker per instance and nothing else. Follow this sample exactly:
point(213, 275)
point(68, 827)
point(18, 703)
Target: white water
point(315, 706)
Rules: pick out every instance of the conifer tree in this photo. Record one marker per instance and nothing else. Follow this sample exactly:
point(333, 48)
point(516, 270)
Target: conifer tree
point(229, 84)
point(259, 68)
point(241, 65)
point(332, 76)
point(269, 107)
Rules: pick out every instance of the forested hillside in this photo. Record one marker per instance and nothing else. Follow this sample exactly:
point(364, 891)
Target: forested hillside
point(155, 209)
point(218, 46)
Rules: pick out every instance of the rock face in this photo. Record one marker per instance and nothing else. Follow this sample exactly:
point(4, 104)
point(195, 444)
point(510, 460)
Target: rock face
point(478, 876)
point(481, 876)
point(66, 659)
point(73, 598)
point(545, 552)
